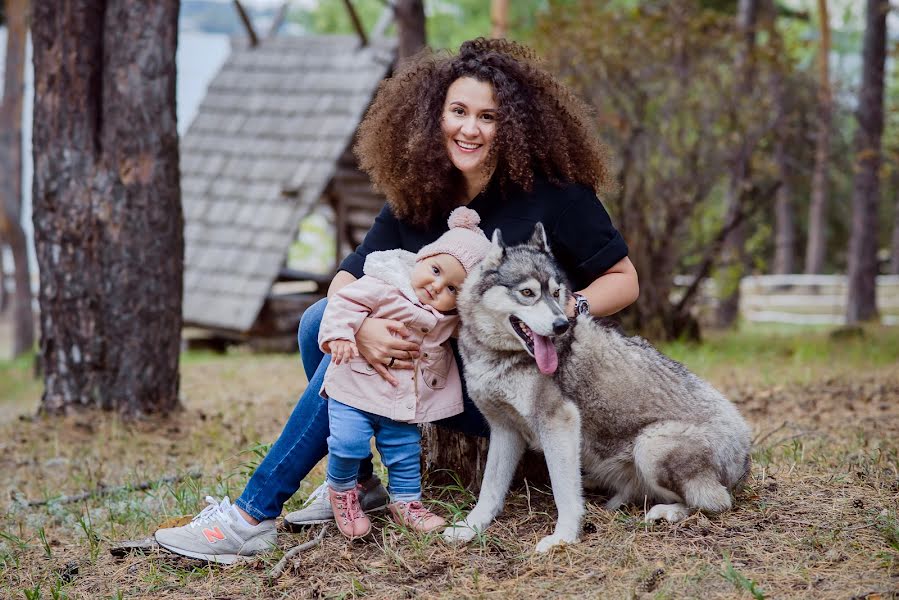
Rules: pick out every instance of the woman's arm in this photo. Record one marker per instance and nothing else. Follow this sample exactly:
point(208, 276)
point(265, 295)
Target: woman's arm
point(612, 291)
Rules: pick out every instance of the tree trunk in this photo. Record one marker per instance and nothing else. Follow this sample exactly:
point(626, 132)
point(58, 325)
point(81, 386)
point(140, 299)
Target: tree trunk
point(894, 246)
point(107, 204)
point(734, 258)
point(784, 221)
point(11, 231)
point(862, 304)
point(410, 25)
point(499, 18)
point(817, 214)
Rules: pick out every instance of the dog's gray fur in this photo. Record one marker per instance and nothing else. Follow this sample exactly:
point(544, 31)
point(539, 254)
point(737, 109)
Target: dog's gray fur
point(630, 419)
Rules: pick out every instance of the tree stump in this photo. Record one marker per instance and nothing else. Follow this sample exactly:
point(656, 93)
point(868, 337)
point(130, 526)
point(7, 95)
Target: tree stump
point(450, 457)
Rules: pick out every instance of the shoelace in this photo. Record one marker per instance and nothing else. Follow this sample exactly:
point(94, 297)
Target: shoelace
point(320, 492)
point(348, 504)
point(417, 511)
point(215, 509)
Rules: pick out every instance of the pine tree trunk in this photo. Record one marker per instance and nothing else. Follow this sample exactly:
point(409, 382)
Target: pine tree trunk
point(784, 220)
point(734, 258)
point(862, 304)
point(11, 230)
point(894, 246)
point(410, 22)
point(107, 204)
point(499, 18)
point(817, 214)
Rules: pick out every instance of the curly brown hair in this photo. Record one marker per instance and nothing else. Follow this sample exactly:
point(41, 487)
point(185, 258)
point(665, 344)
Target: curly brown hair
point(542, 129)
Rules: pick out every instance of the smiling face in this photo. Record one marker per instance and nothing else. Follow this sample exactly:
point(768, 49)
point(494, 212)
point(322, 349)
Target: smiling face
point(437, 279)
point(469, 126)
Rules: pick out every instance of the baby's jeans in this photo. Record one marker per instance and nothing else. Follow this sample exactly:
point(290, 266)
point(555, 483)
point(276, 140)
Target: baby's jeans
point(350, 442)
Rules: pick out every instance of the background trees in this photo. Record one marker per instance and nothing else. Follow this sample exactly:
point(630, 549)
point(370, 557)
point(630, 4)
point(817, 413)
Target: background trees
point(107, 203)
point(863, 243)
point(12, 234)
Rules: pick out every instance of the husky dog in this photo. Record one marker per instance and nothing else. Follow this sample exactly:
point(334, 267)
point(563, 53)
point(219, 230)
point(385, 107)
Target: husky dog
point(596, 402)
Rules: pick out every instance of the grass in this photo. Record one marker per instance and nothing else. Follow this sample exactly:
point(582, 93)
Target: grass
point(819, 517)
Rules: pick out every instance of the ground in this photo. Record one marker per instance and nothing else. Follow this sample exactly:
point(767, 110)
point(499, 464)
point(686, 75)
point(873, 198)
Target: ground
point(818, 518)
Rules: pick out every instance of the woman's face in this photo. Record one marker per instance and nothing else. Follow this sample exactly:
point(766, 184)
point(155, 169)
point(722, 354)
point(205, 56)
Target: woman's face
point(469, 124)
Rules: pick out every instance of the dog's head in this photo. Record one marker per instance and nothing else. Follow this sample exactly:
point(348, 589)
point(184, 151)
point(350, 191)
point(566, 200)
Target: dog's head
point(514, 300)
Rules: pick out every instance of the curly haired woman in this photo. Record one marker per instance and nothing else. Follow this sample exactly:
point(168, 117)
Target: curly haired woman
point(486, 128)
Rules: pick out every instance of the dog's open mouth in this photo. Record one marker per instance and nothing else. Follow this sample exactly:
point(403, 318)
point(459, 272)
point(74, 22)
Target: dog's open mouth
point(541, 347)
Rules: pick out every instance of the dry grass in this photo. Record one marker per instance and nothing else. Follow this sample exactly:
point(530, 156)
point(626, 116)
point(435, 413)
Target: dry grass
point(818, 518)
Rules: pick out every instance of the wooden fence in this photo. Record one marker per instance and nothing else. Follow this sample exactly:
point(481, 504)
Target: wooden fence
point(810, 299)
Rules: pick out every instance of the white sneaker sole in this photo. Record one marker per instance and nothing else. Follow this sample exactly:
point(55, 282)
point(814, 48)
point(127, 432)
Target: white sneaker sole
point(221, 559)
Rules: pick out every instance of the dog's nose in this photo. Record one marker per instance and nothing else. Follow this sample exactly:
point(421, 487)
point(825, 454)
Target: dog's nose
point(560, 326)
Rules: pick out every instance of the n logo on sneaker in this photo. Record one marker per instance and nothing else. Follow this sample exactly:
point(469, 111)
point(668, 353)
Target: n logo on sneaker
point(213, 534)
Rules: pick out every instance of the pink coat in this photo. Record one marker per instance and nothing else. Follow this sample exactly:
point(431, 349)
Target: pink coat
point(430, 391)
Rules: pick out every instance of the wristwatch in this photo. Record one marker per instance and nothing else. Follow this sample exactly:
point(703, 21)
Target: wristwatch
point(581, 306)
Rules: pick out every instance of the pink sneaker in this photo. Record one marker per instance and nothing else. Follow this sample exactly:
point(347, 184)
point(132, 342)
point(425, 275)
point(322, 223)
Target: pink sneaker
point(415, 516)
point(351, 521)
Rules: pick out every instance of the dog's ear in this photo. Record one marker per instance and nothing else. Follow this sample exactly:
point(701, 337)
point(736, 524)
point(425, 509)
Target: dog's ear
point(538, 238)
point(497, 251)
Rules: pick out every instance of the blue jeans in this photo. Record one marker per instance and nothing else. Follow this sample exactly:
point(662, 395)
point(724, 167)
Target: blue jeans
point(399, 445)
point(304, 440)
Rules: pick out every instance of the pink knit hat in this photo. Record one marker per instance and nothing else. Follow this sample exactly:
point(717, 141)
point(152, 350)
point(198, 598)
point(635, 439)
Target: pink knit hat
point(465, 241)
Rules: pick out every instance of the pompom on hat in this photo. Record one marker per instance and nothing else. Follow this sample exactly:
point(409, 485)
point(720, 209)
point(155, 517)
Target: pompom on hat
point(465, 241)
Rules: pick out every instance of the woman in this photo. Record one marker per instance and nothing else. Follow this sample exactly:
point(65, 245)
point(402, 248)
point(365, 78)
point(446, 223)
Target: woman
point(487, 128)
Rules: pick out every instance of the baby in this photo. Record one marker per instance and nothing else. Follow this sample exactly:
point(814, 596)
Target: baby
point(419, 290)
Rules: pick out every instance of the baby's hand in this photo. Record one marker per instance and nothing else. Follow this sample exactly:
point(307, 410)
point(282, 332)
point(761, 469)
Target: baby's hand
point(343, 350)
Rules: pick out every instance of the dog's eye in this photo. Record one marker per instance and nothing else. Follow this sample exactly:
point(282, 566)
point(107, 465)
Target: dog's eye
point(556, 294)
point(527, 293)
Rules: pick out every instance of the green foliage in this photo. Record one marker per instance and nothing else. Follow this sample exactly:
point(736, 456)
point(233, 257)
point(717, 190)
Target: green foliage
point(448, 23)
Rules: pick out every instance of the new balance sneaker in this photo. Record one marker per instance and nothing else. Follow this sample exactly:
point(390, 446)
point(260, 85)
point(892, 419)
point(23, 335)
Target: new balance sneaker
point(317, 508)
point(415, 516)
point(351, 520)
point(219, 534)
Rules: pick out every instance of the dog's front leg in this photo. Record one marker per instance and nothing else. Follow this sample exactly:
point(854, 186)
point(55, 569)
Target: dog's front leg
point(504, 452)
point(561, 440)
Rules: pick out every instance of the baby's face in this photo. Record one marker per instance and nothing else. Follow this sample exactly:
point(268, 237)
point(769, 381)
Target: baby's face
point(437, 279)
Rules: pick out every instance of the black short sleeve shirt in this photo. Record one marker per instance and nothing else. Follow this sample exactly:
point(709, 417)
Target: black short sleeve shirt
point(580, 232)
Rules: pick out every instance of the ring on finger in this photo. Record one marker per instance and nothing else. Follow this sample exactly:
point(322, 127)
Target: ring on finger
point(392, 360)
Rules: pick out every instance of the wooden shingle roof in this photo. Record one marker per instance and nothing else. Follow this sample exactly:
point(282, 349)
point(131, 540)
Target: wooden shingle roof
point(258, 156)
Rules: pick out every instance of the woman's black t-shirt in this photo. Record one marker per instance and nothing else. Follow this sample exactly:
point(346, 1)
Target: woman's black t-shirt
point(580, 232)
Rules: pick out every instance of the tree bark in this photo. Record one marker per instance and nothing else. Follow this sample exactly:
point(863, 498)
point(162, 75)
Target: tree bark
point(499, 18)
point(817, 214)
point(784, 220)
point(862, 302)
point(107, 204)
point(410, 25)
point(11, 231)
point(734, 256)
point(894, 246)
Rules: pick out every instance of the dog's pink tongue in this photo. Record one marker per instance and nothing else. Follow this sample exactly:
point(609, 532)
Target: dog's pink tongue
point(545, 353)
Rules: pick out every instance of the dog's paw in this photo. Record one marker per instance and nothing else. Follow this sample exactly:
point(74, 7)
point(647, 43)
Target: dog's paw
point(459, 532)
point(554, 540)
point(670, 512)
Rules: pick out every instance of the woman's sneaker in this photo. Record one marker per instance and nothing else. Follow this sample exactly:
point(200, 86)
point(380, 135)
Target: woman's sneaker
point(415, 516)
point(219, 534)
point(317, 508)
point(348, 515)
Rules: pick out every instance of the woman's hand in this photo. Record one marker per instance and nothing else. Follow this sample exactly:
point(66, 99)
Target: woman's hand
point(381, 343)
